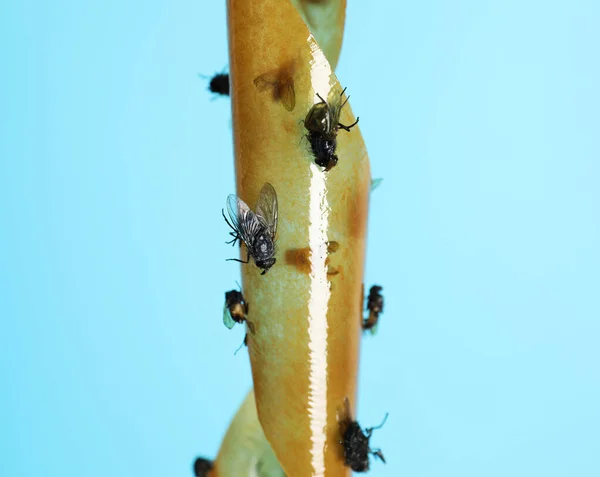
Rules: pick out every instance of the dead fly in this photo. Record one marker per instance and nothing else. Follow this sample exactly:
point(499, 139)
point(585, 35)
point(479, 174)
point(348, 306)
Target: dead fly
point(202, 466)
point(356, 442)
point(375, 308)
point(219, 83)
point(235, 310)
point(256, 229)
point(322, 123)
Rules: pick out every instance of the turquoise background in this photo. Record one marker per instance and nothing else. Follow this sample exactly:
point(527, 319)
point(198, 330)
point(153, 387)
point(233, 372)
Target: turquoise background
point(482, 118)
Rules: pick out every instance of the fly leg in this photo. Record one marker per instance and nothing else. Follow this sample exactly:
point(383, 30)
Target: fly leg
point(379, 454)
point(238, 260)
point(236, 237)
point(304, 136)
point(234, 234)
point(347, 128)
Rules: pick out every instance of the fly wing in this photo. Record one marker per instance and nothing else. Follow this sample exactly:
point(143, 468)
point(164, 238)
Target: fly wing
point(344, 417)
point(241, 217)
point(227, 318)
point(375, 183)
point(262, 83)
point(317, 119)
point(335, 111)
point(287, 94)
point(335, 103)
point(266, 208)
point(232, 210)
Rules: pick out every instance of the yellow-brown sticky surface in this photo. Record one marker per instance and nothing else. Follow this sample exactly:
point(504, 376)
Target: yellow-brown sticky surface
point(304, 352)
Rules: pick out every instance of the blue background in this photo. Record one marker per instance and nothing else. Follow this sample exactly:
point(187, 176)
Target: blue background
point(482, 118)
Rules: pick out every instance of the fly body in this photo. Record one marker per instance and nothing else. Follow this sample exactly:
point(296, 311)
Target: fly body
point(256, 229)
point(356, 442)
point(219, 84)
point(322, 123)
point(375, 308)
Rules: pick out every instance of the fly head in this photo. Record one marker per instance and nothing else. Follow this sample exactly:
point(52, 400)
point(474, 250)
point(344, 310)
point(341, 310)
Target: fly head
point(265, 264)
point(327, 162)
point(375, 290)
point(234, 296)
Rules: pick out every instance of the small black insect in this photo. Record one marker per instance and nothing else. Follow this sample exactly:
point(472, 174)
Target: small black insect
point(202, 466)
point(256, 229)
point(322, 123)
point(356, 442)
point(375, 307)
point(219, 84)
point(235, 310)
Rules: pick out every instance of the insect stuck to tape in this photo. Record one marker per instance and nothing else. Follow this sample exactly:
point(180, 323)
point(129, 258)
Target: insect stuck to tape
point(219, 83)
point(375, 308)
point(356, 442)
point(256, 229)
point(235, 310)
point(202, 466)
point(322, 123)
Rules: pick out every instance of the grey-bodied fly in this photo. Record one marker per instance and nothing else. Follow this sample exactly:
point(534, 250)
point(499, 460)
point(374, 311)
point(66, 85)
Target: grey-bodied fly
point(256, 229)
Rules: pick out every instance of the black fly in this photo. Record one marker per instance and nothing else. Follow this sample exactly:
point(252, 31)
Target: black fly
point(322, 123)
point(256, 229)
point(219, 83)
point(356, 442)
point(235, 310)
point(202, 466)
point(375, 307)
